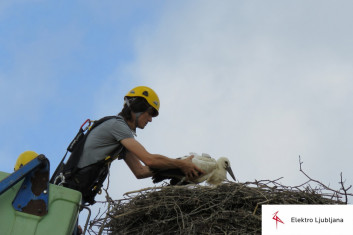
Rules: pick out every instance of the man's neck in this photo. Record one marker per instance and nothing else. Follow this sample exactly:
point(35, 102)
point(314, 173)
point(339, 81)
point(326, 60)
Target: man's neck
point(131, 124)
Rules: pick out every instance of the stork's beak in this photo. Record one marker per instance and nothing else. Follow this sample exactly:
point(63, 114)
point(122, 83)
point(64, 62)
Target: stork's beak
point(230, 172)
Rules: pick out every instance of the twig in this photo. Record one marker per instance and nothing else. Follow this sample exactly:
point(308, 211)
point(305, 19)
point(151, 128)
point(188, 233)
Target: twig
point(345, 189)
point(338, 193)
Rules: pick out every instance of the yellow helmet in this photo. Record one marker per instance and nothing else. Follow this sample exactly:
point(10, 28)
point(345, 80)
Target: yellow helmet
point(24, 158)
point(148, 94)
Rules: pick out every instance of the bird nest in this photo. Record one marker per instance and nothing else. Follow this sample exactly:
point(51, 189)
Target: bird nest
point(230, 208)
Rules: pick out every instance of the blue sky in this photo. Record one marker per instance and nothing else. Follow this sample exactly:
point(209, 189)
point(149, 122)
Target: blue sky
point(260, 82)
point(55, 56)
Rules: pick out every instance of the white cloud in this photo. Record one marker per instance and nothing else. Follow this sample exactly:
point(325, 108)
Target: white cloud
point(234, 84)
point(258, 82)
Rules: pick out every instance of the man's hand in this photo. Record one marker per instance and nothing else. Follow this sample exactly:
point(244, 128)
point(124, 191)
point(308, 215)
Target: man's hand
point(190, 169)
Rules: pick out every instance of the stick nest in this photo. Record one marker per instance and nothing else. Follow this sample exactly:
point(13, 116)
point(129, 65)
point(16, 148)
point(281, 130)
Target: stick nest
point(230, 208)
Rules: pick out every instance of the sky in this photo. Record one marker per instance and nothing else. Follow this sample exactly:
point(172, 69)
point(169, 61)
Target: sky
point(260, 82)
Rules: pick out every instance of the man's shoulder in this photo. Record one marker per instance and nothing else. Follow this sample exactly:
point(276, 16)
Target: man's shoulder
point(117, 124)
point(111, 119)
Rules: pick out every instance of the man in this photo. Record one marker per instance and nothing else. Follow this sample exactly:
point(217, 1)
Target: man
point(114, 138)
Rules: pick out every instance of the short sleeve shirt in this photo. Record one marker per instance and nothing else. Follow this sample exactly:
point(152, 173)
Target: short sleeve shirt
point(103, 140)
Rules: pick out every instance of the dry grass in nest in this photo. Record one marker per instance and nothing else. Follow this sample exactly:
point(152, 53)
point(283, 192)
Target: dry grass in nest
point(230, 208)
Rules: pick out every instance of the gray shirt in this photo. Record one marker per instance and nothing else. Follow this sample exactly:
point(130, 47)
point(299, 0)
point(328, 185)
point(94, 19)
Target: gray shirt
point(103, 140)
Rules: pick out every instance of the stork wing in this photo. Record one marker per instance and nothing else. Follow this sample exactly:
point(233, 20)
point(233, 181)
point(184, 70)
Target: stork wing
point(206, 155)
point(206, 158)
point(203, 156)
point(207, 165)
point(172, 174)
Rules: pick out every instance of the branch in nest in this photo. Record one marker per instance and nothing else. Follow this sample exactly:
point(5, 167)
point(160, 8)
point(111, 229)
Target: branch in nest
point(335, 192)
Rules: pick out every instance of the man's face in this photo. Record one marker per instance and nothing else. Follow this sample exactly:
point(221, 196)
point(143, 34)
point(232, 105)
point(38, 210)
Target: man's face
point(144, 119)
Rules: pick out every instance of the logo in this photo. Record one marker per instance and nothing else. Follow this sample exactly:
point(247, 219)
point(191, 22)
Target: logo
point(275, 217)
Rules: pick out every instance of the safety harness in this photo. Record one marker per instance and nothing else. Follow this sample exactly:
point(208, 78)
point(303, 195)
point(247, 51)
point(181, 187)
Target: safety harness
point(87, 180)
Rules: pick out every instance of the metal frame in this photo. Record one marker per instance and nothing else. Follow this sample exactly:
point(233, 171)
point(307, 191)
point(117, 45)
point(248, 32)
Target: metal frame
point(32, 197)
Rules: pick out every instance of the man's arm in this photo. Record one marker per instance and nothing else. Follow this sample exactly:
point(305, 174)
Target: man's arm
point(139, 170)
point(159, 161)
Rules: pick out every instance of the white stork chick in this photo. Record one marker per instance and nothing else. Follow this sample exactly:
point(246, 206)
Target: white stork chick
point(215, 171)
point(220, 173)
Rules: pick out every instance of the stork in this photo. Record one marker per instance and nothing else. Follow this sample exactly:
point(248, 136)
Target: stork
point(215, 171)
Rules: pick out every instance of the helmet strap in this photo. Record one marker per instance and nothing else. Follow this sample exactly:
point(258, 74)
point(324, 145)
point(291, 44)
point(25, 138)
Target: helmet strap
point(137, 116)
point(127, 101)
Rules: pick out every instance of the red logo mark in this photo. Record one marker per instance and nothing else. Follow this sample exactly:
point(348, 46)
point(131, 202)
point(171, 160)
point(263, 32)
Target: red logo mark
point(275, 217)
